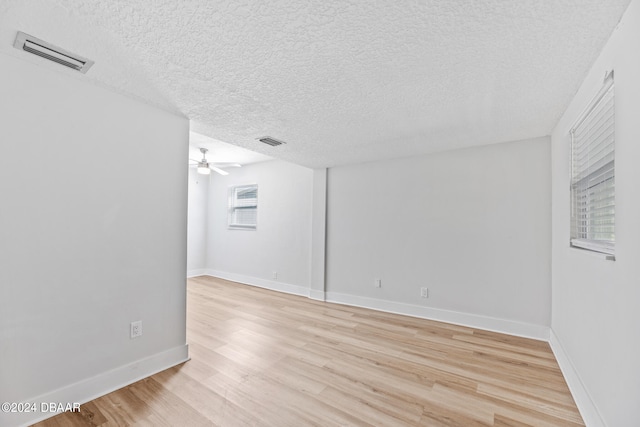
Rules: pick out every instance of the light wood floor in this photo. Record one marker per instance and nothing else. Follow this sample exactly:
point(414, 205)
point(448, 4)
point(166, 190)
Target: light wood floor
point(262, 358)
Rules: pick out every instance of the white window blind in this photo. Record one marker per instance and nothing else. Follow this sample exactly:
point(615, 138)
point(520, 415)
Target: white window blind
point(593, 174)
point(243, 207)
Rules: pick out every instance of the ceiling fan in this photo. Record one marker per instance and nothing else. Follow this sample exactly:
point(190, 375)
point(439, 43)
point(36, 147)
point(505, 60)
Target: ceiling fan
point(205, 168)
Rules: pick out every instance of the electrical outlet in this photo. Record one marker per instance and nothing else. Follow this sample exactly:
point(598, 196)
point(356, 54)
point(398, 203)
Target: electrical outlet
point(377, 283)
point(274, 275)
point(136, 329)
point(424, 292)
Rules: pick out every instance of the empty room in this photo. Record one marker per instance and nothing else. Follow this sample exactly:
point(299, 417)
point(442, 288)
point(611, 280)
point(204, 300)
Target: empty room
point(356, 213)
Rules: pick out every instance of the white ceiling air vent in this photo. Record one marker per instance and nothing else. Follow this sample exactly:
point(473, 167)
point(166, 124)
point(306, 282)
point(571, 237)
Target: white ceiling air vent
point(53, 53)
point(271, 141)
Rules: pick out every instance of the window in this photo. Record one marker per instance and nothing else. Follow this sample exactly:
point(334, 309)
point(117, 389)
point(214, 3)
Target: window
point(243, 207)
point(593, 174)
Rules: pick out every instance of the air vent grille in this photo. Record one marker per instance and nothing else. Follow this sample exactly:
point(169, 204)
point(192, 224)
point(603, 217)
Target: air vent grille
point(53, 53)
point(271, 141)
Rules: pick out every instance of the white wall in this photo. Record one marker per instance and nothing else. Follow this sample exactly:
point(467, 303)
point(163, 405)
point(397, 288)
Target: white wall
point(86, 249)
point(472, 225)
point(197, 223)
point(596, 315)
point(282, 241)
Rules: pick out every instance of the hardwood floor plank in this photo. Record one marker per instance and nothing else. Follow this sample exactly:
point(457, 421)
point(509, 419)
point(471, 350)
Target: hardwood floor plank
point(263, 358)
point(560, 408)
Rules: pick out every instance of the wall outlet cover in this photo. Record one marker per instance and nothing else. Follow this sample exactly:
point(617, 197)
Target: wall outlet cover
point(136, 329)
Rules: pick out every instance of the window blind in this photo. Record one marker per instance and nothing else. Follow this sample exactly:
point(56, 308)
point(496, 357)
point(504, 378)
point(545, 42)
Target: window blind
point(593, 174)
point(243, 207)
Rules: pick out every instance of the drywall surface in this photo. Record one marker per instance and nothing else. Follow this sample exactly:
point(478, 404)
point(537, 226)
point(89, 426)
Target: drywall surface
point(595, 313)
point(282, 241)
point(197, 223)
point(86, 247)
point(471, 225)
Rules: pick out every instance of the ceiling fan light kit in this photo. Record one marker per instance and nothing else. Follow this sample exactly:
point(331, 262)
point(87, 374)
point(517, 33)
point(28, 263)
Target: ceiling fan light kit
point(203, 168)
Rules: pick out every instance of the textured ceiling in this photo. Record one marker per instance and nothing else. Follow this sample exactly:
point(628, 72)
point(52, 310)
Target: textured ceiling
point(340, 81)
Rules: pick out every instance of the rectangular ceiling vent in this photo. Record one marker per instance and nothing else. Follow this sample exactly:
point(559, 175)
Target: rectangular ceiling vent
point(271, 141)
point(53, 53)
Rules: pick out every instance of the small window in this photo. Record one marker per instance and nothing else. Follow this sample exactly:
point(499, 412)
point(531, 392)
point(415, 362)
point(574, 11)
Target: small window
point(593, 174)
point(243, 207)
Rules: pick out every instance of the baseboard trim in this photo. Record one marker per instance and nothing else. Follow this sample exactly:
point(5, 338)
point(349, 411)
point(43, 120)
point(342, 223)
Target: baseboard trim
point(99, 385)
point(587, 408)
point(317, 295)
point(260, 283)
point(510, 327)
point(504, 326)
point(196, 272)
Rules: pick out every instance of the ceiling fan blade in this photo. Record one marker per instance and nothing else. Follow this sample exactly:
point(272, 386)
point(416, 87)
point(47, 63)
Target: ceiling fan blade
point(227, 165)
point(220, 171)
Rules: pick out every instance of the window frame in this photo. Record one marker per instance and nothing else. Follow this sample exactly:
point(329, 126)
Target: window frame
point(592, 182)
point(235, 204)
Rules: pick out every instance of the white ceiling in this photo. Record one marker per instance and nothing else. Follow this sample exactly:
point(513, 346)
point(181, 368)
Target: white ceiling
point(340, 81)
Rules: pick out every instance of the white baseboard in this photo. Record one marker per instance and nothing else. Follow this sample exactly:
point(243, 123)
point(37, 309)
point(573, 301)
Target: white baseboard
point(587, 408)
point(99, 385)
point(317, 295)
point(504, 326)
point(196, 272)
point(261, 283)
